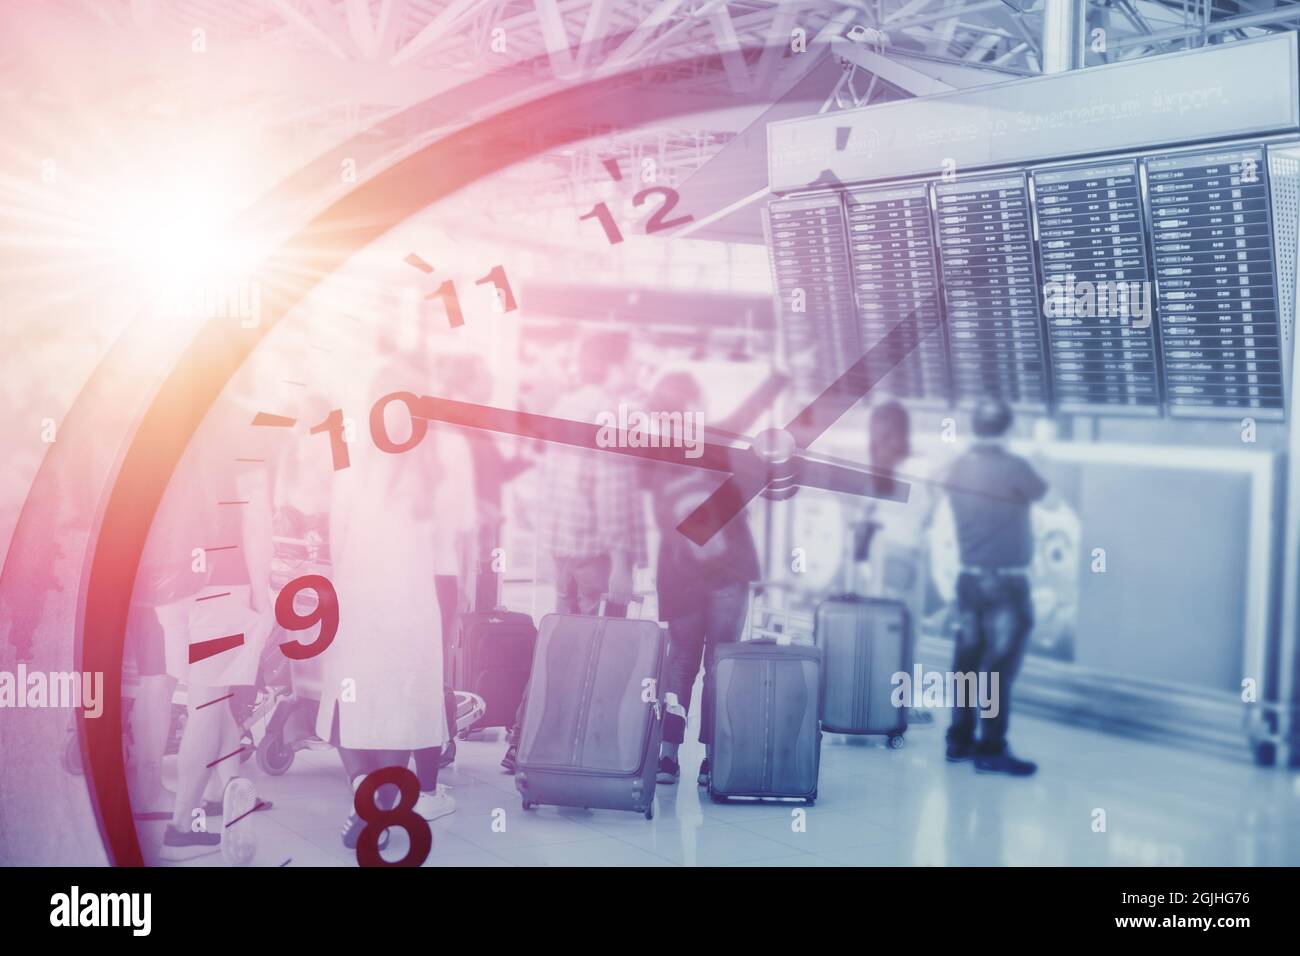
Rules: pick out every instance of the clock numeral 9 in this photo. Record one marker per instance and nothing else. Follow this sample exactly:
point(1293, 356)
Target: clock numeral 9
point(325, 613)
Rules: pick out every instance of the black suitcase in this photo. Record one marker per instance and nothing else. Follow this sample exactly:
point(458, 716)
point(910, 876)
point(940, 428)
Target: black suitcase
point(766, 736)
point(492, 656)
point(593, 723)
point(864, 643)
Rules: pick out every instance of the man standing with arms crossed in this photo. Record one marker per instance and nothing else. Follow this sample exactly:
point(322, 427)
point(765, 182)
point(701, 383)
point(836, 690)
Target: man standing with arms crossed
point(991, 491)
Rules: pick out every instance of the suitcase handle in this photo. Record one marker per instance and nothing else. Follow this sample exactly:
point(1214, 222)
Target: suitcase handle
point(755, 592)
point(636, 598)
point(495, 616)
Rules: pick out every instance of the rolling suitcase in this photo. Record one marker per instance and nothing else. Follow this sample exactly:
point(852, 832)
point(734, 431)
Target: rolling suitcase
point(592, 721)
point(864, 643)
point(766, 736)
point(491, 656)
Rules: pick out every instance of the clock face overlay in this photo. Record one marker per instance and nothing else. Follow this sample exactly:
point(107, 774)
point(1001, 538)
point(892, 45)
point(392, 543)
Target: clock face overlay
point(437, 302)
point(416, 493)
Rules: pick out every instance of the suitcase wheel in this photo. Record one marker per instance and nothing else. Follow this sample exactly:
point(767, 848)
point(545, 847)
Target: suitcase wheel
point(813, 799)
point(528, 804)
point(649, 813)
point(716, 797)
point(895, 741)
point(274, 755)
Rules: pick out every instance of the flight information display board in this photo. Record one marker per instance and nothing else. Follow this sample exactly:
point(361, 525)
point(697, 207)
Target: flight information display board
point(895, 280)
point(1213, 248)
point(1097, 288)
point(994, 327)
point(810, 265)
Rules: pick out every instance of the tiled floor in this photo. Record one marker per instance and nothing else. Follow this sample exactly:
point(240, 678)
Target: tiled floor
point(1161, 806)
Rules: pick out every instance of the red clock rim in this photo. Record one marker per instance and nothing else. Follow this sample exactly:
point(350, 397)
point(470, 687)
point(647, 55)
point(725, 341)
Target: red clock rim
point(348, 225)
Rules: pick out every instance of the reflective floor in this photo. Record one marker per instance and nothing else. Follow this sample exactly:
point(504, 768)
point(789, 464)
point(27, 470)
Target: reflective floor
point(1097, 800)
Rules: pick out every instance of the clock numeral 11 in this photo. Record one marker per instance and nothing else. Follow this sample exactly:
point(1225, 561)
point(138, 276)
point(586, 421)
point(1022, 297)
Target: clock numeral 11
point(505, 296)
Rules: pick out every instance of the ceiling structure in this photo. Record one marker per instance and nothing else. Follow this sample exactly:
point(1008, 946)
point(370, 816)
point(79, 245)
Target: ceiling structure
point(388, 53)
point(585, 38)
point(321, 73)
point(383, 55)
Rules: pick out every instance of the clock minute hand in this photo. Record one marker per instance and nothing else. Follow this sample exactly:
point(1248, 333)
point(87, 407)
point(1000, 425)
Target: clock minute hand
point(860, 378)
point(731, 497)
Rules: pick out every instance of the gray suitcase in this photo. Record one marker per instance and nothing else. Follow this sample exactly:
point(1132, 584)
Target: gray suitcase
point(766, 737)
point(592, 719)
point(864, 643)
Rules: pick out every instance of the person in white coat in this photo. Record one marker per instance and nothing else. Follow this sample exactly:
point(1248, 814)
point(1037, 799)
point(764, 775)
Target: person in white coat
point(382, 696)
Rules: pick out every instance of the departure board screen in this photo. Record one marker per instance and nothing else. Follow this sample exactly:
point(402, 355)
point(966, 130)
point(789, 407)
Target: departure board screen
point(810, 265)
point(994, 325)
point(895, 280)
point(1216, 294)
point(1097, 294)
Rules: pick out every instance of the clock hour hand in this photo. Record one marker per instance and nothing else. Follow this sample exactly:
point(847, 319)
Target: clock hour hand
point(711, 457)
point(746, 464)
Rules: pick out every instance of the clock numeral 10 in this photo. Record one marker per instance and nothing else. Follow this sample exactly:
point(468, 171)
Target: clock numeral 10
point(334, 425)
point(451, 301)
point(656, 223)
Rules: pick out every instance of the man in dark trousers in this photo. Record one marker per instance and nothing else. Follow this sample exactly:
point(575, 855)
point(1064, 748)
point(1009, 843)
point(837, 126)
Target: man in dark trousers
point(991, 491)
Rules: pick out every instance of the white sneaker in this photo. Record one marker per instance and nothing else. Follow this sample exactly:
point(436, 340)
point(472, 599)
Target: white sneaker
point(431, 806)
point(238, 832)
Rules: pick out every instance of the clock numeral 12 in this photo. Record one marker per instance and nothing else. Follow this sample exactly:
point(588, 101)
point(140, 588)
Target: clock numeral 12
point(657, 223)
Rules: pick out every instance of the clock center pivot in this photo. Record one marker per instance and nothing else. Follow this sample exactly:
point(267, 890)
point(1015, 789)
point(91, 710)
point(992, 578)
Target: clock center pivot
point(775, 447)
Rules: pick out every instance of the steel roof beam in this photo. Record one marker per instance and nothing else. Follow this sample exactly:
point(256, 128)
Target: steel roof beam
point(896, 74)
point(1276, 17)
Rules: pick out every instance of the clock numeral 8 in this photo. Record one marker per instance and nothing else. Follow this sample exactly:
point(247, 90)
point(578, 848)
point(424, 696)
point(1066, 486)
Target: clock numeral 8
point(325, 613)
point(402, 816)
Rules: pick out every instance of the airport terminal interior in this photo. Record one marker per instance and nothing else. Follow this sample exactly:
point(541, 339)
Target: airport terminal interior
point(768, 189)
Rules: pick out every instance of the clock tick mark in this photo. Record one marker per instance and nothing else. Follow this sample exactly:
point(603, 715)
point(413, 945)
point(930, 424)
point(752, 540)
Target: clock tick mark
point(414, 260)
point(267, 420)
point(233, 753)
point(217, 701)
point(202, 650)
point(257, 806)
